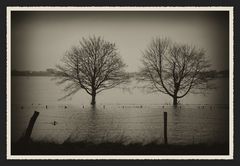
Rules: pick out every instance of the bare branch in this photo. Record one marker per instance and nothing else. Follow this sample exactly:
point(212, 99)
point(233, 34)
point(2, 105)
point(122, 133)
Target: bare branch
point(174, 69)
point(94, 66)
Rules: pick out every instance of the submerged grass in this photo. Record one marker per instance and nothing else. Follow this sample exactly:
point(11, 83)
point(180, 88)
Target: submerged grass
point(110, 144)
point(115, 148)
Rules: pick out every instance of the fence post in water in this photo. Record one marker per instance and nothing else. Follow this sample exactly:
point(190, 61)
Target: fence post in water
point(30, 126)
point(165, 128)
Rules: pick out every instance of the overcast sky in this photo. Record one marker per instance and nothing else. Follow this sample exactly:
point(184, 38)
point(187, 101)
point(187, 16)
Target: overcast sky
point(40, 39)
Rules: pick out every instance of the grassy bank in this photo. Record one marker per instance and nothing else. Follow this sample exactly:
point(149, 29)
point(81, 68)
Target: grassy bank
point(109, 148)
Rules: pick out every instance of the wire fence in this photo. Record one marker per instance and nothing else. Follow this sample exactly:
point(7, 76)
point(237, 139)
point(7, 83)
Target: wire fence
point(184, 121)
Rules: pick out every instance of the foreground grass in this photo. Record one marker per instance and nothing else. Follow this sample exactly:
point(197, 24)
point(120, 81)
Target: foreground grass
point(110, 148)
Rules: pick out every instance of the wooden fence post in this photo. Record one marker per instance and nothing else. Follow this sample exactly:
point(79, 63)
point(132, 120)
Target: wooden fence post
point(165, 128)
point(30, 126)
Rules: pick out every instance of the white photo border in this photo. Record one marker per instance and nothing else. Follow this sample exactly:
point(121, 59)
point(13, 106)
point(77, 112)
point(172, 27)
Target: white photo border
point(230, 9)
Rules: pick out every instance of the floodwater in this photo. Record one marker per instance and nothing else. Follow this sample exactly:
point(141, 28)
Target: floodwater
point(120, 116)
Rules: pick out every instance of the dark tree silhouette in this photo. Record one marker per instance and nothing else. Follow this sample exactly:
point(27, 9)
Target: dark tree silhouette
point(174, 69)
point(94, 65)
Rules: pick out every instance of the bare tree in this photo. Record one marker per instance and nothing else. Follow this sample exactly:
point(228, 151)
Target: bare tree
point(94, 65)
point(174, 69)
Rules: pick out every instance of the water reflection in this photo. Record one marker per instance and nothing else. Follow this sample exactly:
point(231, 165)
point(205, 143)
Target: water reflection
point(43, 90)
point(139, 119)
point(92, 123)
point(187, 125)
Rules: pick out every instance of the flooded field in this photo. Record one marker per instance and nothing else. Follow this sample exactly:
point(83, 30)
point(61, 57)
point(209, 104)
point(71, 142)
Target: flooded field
point(127, 120)
point(188, 125)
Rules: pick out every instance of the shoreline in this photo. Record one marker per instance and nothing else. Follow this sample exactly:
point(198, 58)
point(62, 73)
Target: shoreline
point(111, 148)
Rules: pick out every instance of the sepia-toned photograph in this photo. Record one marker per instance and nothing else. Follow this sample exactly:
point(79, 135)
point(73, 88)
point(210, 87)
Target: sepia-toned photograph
point(119, 83)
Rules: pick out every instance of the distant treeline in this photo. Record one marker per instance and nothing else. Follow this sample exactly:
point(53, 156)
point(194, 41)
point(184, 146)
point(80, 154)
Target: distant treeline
point(217, 74)
point(52, 72)
point(48, 72)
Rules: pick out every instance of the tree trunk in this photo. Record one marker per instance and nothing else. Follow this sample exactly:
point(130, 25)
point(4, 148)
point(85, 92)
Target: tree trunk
point(93, 99)
point(175, 102)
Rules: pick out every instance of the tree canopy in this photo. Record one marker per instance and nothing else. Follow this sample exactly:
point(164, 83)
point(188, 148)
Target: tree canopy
point(94, 66)
point(174, 69)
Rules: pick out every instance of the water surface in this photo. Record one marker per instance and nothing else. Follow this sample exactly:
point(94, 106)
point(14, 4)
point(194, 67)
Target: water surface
point(119, 116)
